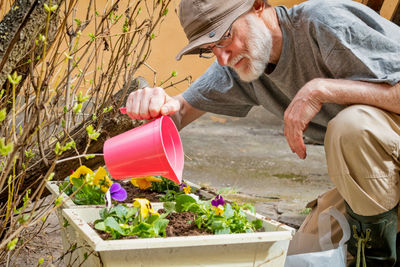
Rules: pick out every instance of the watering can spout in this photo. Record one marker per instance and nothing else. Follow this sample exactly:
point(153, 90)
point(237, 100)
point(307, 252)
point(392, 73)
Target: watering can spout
point(151, 149)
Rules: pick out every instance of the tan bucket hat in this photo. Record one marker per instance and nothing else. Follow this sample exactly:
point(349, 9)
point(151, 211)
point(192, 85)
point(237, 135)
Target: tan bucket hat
point(206, 21)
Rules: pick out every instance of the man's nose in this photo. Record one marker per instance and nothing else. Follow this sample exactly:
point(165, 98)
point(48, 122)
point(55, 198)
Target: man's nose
point(222, 55)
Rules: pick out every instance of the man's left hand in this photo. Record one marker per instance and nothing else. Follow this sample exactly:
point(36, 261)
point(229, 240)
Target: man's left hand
point(304, 106)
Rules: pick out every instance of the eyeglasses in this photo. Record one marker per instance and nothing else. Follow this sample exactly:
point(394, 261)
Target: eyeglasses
point(225, 41)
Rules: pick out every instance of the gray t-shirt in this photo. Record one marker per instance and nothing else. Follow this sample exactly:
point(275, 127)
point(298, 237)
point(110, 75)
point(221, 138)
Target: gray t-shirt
point(321, 39)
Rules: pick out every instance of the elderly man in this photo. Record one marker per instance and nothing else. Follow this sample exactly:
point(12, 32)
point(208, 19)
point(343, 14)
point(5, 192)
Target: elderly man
point(331, 69)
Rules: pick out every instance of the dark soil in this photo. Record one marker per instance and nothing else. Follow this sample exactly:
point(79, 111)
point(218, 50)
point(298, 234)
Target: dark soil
point(136, 192)
point(180, 224)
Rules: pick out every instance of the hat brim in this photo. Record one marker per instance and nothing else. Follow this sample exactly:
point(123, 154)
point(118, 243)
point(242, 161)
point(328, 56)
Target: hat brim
point(219, 28)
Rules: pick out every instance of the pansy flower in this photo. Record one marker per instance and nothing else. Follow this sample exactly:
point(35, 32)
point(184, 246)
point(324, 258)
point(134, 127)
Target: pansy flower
point(102, 180)
point(145, 207)
point(218, 200)
point(218, 210)
point(117, 192)
point(144, 182)
point(218, 205)
point(185, 188)
point(82, 170)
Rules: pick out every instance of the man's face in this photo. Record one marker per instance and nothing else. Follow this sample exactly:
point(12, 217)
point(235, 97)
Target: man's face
point(250, 49)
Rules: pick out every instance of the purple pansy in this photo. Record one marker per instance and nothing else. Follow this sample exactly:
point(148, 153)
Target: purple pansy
point(117, 192)
point(218, 201)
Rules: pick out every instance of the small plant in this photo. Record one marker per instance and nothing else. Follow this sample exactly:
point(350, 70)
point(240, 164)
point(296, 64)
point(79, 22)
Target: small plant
point(88, 188)
point(218, 216)
point(140, 220)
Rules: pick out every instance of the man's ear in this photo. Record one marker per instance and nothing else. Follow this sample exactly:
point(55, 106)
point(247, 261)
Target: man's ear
point(258, 6)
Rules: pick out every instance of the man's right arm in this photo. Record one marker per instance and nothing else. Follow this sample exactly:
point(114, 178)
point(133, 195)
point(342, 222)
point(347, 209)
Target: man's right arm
point(149, 103)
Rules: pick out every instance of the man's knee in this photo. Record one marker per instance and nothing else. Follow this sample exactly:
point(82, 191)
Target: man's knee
point(351, 127)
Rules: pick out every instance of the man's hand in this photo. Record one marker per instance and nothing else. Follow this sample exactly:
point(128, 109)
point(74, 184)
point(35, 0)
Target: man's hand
point(304, 106)
point(149, 103)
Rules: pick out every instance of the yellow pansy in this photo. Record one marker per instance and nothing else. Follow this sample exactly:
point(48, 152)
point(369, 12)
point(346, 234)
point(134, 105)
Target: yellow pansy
point(82, 170)
point(145, 207)
point(102, 180)
point(187, 189)
point(218, 210)
point(144, 182)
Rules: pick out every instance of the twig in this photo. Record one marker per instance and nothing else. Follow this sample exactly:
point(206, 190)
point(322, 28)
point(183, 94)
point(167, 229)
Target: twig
point(80, 156)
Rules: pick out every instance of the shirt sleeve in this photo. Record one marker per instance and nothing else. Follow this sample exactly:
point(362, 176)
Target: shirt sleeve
point(220, 91)
point(367, 47)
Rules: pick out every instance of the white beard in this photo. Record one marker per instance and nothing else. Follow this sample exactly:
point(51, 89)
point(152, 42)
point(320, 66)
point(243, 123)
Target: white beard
point(259, 45)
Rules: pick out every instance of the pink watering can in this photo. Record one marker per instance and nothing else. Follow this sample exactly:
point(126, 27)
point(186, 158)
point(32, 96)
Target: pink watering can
point(154, 148)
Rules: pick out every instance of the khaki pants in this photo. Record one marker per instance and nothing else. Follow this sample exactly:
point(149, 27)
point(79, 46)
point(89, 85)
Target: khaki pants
point(362, 147)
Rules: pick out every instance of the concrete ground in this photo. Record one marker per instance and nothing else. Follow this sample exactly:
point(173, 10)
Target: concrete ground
point(248, 159)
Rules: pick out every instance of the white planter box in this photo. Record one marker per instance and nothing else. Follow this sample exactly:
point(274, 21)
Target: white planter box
point(255, 249)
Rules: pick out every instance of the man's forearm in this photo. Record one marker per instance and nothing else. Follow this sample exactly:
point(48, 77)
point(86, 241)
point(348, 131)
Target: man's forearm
point(186, 113)
point(347, 92)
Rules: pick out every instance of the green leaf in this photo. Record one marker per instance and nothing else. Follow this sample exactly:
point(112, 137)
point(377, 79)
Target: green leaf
point(228, 211)
point(3, 114)
point(305, 211)
point(165, 12)
point(108, 109)
point(174, 73)
point(169, 206)
point(78, 22)
point(12, 244)
point(5, 149)
point(66, 223)
point(80, 98)
point(57, 150)
point(24, 218)
point(51, 176)
point(46, 7)
point(159, 226)
point(93, 134)
point(29, 154)
point(223, 231)
point(58, 201)
point(121, 211)
point(78, 182)
point(40, 261)
point(257, 224)
point(218, 224)
point(92, 37)
point(181, 200)
point(113, 224)
point(53, 8)
point(100, 226)
point(89, 156)
point(77, 108)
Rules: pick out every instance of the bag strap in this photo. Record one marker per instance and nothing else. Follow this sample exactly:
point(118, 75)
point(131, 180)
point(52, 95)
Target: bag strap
point(324, 228)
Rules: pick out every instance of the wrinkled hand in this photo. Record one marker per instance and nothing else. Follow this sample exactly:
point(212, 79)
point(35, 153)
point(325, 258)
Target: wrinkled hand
point(149, 103)
point(304, 106)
